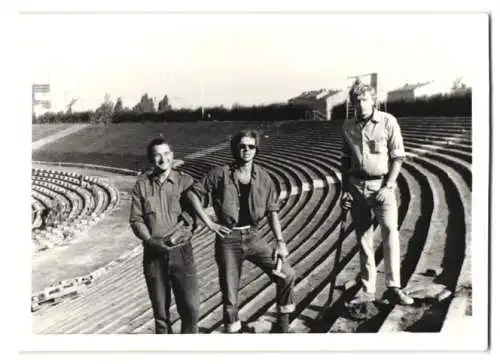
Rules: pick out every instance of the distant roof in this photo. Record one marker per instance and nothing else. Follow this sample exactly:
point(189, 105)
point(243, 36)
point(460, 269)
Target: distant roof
point(315, 94)
point(412, 86)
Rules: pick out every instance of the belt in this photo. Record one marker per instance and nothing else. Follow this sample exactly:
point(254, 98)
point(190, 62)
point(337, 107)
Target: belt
point(366, 177)
point(242, 227)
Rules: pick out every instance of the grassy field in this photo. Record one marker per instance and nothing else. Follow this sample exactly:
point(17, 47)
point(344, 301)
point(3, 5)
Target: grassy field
point(124, 145)
point(40, 131)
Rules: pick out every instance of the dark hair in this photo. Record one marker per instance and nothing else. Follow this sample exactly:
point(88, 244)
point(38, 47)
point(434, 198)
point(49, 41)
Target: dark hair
point(236, 139)
point(153, 143)
point(359, 89)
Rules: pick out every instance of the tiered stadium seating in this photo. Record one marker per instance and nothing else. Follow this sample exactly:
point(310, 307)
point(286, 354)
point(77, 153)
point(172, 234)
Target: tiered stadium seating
point(434, 218)
point(83, 200)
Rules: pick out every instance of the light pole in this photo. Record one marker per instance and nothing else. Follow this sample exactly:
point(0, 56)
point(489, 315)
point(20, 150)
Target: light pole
point(202, 98)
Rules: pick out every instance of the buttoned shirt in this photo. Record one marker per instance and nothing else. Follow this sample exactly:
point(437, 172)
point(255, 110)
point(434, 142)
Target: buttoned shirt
point(371, 146)
point(158, 205)
point(220, 188)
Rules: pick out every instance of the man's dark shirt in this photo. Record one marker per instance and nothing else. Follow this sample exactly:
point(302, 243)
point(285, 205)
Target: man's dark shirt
point(220, 188)
point(244, 218)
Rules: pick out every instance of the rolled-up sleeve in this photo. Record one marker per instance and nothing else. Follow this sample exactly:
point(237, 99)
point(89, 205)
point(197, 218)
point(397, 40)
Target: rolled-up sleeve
point(395, 140)
point(204, 187)
point(136, 216)
point(187, 182)
point(272, 201)
point(136, 220)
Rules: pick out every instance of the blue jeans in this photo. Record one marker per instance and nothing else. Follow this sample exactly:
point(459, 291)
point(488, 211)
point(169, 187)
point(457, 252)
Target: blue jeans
point(174, 270)
point(230, 253)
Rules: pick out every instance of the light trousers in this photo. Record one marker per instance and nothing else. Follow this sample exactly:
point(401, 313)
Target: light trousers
point(367, 201)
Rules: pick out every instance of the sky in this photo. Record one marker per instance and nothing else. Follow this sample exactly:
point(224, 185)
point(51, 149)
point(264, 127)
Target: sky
point(222, 59)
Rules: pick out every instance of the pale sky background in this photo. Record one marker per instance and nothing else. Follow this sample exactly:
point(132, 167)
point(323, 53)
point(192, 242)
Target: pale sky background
point(244, 58)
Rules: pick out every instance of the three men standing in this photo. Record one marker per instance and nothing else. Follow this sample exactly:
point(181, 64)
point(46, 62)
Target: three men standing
point(243, 196)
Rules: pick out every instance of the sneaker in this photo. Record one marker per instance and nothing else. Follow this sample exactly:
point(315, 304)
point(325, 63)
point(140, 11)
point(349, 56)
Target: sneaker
point(401, 297)
point(240, 331)
point(361, 298)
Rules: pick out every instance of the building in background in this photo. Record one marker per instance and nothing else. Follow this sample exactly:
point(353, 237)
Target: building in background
point(320, 102)
point(411, 92)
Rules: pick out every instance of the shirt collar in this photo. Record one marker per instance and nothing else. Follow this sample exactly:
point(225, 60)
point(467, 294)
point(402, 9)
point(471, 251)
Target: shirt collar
point(255, 168)
point(376, 117)
point(172, 176)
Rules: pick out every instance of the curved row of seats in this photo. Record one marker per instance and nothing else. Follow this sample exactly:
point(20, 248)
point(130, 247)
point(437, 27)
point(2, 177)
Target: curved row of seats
point(434, 200)
point(82, 199)
point(456, 182)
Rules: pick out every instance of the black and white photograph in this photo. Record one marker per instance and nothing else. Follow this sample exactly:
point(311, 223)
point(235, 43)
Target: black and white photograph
point(298, 179)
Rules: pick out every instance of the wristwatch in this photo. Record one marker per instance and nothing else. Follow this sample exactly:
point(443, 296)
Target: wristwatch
point(280, 241)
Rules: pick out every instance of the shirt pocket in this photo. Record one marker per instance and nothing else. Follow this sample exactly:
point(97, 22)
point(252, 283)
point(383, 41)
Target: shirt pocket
point(152, 205)
point(377, 145)
point(259, 201)
point(229, 195)
point(174, 203)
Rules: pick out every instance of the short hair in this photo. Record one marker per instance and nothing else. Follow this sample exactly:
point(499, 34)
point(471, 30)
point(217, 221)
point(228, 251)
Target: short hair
point(153, 143)
point(359, 89)
point(236, 139)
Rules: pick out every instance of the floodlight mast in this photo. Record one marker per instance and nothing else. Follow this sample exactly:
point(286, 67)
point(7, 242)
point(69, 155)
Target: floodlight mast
point(202, 98)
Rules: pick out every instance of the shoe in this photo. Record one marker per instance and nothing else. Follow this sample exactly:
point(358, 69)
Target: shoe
point(240, 331)
point(233, 328)
point(401, 297)
point(277, 329)
point(243, 329)
point(361, 298)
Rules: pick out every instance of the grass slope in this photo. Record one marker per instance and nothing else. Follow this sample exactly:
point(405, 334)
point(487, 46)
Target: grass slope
point(40, 131)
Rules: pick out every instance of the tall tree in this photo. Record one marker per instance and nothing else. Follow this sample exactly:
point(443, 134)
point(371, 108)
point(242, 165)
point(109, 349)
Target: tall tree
point(146, 104)
point(118, 105)
point(164, 105)
point(104, 113)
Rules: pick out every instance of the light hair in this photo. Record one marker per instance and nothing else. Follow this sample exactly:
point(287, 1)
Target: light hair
point(359, 89)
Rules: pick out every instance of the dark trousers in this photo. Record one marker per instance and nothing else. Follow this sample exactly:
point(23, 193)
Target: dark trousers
point(174, 270)
point(230, 254)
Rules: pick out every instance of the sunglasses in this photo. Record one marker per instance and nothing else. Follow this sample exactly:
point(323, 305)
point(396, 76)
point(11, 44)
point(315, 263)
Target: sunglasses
point(247, 146)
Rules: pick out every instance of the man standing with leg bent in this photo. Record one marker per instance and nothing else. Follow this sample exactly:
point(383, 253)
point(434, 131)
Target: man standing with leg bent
point(372, 158)
point(242, 195)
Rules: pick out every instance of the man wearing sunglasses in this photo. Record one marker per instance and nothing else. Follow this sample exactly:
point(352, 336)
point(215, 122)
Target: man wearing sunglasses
point(243, 195)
